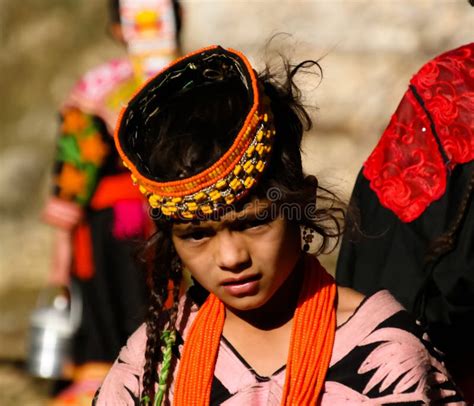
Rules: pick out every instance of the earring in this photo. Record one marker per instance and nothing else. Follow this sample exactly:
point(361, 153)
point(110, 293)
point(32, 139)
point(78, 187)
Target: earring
point(307, 235)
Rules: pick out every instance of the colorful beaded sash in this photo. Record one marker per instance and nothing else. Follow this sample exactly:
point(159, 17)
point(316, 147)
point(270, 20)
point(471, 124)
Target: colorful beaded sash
point(228, 179)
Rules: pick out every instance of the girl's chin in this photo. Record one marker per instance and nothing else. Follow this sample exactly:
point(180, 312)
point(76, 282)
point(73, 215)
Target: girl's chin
point(245, 303)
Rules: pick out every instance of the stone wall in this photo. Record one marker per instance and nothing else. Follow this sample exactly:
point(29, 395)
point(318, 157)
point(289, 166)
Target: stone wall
point(368, 51)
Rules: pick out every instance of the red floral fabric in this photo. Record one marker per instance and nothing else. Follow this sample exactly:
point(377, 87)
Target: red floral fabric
point(407, 169)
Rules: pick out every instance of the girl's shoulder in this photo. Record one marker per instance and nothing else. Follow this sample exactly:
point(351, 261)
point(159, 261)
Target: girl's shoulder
point(376, 307)
point(348, 301)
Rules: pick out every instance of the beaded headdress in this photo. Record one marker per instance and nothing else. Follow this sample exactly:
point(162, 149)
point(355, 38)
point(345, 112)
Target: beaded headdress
point(234, 173)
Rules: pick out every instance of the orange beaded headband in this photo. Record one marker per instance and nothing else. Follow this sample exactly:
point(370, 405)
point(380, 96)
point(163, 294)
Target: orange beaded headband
point(225, 181)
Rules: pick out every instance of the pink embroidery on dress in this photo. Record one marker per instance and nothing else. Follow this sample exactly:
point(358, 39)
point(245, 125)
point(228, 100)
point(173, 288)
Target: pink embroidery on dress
point(399, 355)
point(98, 82)
point(125, 376)
point(90, 92)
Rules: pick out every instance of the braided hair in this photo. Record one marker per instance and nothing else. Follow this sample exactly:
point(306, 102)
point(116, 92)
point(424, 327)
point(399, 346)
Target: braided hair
point(159, 256)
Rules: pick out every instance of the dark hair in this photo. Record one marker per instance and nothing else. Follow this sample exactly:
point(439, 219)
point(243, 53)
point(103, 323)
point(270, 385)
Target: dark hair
point(194, 131)
point(114, 11)
point(446, 242)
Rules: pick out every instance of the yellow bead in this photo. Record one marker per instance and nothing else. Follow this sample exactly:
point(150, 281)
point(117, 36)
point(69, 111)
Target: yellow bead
point(134, 179)
point(142, 189)
point(215, 195)
point(125, 164)
point(230, 198)
point(259, 135)
point(237, 170)
point(221, 184)
point(187, 215)
point(235, 184)
point(206, 209)
point(249, 182)
point(250, 150)
point(265, 117)
point(200, 196)
point(260, 148)
point(177, 199)
point(249, 167)
point(154, 201)
point(192, 206)
point(260, 166)
point(170, 204)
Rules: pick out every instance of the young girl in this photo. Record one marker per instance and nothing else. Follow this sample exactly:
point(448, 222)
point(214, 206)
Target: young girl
point(216, 150)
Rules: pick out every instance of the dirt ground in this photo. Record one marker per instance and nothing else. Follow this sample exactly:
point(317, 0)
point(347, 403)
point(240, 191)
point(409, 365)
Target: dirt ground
point(17, 388)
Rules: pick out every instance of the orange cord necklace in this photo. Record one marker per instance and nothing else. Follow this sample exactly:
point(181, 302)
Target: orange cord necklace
point(311, 344)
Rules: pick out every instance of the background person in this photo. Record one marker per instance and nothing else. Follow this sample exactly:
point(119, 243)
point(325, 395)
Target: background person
point(415, 198)
point(97, 212)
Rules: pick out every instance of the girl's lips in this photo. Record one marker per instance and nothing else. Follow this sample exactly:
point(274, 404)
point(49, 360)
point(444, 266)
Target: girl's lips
point(242, 286)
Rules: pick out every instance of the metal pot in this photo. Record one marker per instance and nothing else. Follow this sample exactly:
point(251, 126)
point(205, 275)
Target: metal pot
point(52, 326)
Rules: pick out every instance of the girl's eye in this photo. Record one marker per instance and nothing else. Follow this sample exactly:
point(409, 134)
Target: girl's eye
point(196, 235)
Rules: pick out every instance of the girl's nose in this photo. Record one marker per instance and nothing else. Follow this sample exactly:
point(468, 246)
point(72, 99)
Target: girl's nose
point(231, 251)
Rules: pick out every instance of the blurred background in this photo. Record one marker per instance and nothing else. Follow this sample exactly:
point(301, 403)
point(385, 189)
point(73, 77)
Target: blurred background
point(368, 51)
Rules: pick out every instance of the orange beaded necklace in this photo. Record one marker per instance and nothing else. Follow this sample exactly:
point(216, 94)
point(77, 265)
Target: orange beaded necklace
point(311, 343)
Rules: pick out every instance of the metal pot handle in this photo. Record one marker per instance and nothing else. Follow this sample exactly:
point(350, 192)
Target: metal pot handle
point(74, 297)
point(75, 312)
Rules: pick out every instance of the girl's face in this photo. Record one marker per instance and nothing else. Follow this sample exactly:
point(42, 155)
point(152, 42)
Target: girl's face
point(241, 258)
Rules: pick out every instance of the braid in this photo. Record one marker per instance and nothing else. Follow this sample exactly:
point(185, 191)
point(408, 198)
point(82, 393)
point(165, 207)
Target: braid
point(176, 278)
point(161, 324)
point(153, 342)
point(169, 338)
point(446, 241)
point(156, 317)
